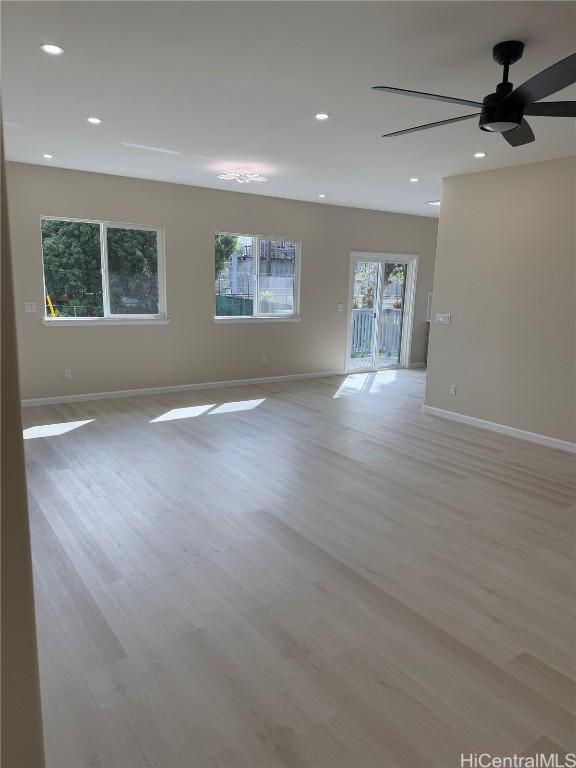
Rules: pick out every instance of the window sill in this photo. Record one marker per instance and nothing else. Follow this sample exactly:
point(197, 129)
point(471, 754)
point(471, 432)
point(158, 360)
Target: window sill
point(79, 321)
point(239, 320)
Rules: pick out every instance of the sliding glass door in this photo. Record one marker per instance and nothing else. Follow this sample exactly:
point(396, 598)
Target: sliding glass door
point(381, 293)
point(366, 281)
point(391, 313)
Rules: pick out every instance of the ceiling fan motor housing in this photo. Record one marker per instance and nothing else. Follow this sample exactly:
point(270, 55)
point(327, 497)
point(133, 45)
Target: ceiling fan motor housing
point(498, 113)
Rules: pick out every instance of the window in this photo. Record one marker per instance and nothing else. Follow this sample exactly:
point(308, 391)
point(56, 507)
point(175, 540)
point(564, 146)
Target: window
point(101, 270)
point(255, 276)
point(72, 269)
point(132, 271)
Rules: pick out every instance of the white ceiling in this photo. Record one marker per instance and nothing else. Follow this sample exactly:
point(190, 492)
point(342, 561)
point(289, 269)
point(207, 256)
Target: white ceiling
point(237, 85)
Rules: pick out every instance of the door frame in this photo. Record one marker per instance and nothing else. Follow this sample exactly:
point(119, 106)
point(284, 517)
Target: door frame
point(411, 260)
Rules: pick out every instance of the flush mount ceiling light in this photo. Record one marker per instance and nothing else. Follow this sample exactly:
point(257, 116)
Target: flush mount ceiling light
point(433, 202)
point(93, 120)
point(414, 179)
point(52, 49)
point(479, 155)
point(321, 116)
point(242, 177)
point(48, 156)
point(322, 195)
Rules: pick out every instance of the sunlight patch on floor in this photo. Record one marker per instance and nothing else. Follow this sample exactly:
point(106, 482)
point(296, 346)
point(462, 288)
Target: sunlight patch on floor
point(240, 405)
point(52, 430)
point(183, 413)
point(367, 383)
point(198, 410)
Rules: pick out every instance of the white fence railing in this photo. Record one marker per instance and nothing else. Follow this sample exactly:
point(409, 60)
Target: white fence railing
point(363, 326)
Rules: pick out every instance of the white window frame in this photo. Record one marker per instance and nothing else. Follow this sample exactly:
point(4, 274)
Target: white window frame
point(257, 316)
point(109, 317)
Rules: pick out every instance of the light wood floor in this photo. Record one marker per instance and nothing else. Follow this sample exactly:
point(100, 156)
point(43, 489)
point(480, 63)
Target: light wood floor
point(328, 579)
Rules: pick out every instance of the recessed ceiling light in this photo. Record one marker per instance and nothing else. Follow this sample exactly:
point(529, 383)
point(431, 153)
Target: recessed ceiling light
point(93, 120)
point(321, 116)
point(47, 156)
point(433, 202)
point(322, 195)
point(479, 154)
point(52, 49)
point(414, 179)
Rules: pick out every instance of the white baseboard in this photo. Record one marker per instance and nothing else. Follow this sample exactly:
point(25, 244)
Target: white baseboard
point(503, 429)
point(175, 388)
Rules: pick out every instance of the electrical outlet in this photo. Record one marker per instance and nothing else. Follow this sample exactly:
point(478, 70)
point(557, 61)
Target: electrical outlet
point(30, 306)
point(67, 373)
point(263, 359)
point(453, 390)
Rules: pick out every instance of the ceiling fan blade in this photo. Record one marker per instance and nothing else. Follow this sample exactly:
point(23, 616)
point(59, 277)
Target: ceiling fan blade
point(552, 109)
point(549, 81)
point(518, 136)
point(432, 96)
point(430, 125)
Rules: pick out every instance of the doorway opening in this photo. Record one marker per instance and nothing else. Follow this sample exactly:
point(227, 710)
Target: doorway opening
point(381, 310)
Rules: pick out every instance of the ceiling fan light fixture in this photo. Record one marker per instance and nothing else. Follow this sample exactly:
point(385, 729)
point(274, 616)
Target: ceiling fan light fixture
point(500, 116)
point(500, 126)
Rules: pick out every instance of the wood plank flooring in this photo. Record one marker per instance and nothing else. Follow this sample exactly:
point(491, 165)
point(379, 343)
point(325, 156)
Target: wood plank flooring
point(306, 574)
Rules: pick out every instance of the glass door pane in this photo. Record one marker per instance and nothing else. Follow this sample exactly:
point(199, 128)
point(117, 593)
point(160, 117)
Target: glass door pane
point(391, 313)
point(364, 304)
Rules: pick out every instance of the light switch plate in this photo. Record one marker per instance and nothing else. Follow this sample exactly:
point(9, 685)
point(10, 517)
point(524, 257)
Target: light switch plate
point(339, 307)
point(442, 318)
point(30, 306)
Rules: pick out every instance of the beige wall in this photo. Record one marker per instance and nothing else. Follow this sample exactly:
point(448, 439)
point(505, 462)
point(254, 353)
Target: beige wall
point(22, 745)
point(505, 270)
point(192, 348)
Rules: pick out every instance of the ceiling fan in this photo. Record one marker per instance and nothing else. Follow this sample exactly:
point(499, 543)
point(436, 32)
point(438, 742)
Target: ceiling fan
point(503, 111)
